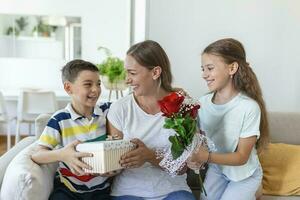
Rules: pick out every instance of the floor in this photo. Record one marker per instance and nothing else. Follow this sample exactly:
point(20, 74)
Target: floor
point(3, 143)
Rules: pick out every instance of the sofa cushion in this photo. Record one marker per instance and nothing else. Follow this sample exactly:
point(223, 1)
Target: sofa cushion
point(25, 179)
point(281, 164)
point(284, 127)
point(269, 197)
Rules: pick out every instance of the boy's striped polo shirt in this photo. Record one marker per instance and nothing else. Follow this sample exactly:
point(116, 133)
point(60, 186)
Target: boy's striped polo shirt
point(64, 127)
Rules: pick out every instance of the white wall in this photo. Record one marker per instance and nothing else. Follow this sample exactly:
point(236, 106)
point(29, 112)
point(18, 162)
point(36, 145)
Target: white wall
point(269, 30)
point(104, 22)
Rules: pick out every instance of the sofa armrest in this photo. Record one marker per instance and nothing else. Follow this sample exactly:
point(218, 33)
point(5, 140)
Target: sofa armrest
point(6, 158)
point(40, 124)
point(26, 180)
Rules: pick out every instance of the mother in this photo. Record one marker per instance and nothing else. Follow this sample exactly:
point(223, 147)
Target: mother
point(137, 117)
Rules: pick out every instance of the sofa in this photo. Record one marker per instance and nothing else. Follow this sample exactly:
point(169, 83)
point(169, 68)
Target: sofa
point(284, 128)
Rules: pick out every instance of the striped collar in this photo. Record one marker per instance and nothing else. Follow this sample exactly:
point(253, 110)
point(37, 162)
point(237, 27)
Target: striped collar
point(74, 115)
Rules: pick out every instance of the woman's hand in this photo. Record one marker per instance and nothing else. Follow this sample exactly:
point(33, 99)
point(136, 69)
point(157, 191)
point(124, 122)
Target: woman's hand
point(71, 157)
point(137, 157)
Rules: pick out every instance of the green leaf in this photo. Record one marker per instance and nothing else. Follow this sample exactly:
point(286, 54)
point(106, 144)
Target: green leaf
point(185, 128)
point(178, 121)
point(180, 130)
point(176, 148)
point(169, 123)
point(112, 67)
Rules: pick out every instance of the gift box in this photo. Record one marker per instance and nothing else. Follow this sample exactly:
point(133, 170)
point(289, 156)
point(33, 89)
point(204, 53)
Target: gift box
point(106, 154)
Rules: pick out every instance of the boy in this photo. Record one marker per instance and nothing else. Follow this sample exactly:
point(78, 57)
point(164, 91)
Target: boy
point(80, 121)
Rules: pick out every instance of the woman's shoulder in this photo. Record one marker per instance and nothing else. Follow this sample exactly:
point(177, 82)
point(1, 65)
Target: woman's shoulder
point(123, 102)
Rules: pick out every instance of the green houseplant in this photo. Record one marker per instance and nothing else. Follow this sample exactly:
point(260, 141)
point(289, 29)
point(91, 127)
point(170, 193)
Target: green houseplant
point(112, 71)
point(43, 29)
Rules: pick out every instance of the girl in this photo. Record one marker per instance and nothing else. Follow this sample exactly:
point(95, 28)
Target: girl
point(234, 116)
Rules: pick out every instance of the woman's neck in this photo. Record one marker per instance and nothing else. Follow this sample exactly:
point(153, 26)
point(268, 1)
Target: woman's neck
point(148, 103)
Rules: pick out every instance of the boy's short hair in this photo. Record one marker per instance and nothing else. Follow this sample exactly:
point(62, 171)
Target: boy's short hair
point(71, 70)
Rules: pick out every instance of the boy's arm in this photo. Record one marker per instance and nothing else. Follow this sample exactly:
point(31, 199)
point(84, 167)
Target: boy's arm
point(44, 155)
point(67, 154)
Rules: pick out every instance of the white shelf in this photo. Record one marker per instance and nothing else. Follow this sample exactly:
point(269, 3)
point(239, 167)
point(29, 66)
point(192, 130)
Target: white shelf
point(31, 47)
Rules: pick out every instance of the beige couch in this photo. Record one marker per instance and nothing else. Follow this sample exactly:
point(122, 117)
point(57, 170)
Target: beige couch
point(284, 128)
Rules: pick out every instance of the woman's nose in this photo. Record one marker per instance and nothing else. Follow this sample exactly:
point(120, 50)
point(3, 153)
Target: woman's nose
point(128, 80)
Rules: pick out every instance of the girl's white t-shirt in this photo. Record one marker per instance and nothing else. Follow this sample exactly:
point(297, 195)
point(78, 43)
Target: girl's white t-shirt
point(225, 124)
point(147, 180)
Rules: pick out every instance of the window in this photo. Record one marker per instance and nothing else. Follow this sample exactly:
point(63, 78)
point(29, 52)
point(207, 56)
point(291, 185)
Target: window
point(32, 36)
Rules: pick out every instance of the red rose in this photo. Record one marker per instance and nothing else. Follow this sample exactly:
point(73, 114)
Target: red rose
point(171, 104)
point(191, 110)
point(194, 111)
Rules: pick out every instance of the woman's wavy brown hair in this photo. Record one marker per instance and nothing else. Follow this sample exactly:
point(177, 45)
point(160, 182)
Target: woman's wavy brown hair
point(150, 54)
point(244, 80)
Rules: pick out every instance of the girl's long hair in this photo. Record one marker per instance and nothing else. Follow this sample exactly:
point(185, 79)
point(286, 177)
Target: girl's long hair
point(244, 80)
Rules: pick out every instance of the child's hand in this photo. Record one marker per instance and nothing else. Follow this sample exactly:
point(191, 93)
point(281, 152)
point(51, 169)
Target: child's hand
point(198, 158)
point(72, 158)
point(182, 170)
point(110, 174)
point(114, 137)
point(193, 165)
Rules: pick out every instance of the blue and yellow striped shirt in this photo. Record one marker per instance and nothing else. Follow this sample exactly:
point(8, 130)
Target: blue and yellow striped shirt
point(64, 127)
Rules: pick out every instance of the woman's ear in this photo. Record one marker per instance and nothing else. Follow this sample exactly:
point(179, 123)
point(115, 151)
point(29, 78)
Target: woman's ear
point(68, 87)
point(233, 68)
point(156, 72)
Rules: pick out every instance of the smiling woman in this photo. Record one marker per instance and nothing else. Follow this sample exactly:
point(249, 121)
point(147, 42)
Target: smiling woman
point(137, 117)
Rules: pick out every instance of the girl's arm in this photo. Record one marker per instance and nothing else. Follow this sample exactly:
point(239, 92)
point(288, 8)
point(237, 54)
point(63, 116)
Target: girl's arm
point(239, 157)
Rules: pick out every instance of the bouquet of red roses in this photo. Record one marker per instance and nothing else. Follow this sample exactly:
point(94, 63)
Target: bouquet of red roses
point(181, 116)
point(181, 113)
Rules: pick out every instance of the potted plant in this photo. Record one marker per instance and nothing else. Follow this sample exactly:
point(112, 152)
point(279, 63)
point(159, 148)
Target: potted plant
point(42, 29)
point(21, 23)
point(112, 71)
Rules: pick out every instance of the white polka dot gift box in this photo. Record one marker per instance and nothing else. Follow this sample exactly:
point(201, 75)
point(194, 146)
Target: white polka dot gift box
point(106, 154)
